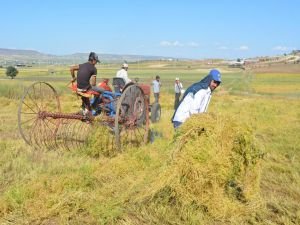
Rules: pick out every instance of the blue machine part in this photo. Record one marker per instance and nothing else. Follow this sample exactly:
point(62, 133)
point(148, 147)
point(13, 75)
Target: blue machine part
point(111, 106)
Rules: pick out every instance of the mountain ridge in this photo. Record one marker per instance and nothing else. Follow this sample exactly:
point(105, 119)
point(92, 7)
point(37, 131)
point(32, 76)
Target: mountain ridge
point(28, 56)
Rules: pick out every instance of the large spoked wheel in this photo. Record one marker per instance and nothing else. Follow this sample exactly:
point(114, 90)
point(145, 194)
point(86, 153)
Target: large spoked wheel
point(155, 112)
point(35, 129)
point(132, 118)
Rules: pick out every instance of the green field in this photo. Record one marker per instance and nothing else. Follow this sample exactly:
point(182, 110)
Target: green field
point(181, 177)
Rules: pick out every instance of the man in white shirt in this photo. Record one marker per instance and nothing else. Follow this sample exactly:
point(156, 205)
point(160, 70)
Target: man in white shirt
point(156, 88)
point(123, 73)
point(178, 88)
point(196, 98)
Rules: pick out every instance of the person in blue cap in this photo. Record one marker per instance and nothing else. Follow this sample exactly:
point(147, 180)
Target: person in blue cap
point(196, 98)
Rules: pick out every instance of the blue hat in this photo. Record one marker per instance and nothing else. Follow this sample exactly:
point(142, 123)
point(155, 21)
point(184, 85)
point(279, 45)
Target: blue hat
point(216, 75)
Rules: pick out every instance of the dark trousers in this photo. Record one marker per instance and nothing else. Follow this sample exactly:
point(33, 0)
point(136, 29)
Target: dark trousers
point(86, 103)
point(176, 103)
point(156, 96)
point(96, 97)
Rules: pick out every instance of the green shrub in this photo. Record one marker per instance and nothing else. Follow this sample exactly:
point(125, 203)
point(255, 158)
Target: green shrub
point(11, 72)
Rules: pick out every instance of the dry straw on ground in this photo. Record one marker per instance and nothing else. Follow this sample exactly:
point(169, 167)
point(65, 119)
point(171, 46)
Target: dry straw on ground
point(214, 173)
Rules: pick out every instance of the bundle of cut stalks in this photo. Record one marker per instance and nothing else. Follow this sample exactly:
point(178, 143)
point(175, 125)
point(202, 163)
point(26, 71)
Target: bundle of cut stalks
point(213, 176)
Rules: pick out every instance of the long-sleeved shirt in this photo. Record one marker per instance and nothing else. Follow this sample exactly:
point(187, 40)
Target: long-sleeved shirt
point(178, 87)
point(123, 74)
point(193, 104)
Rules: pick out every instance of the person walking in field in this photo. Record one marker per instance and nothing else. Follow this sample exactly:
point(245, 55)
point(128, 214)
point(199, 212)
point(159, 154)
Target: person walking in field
point(178, 88)
point(196, 98)
point(156, 88)
point(123, 73)
point(86, 79)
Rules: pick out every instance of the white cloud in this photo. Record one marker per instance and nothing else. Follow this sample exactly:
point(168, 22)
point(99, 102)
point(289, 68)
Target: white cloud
point(178, 44)
point(243, 48)
point(165, 43)
point(280, 48)
point(170, 43)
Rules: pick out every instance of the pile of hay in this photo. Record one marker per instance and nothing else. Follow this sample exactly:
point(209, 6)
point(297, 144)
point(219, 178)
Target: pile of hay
point(213, 176)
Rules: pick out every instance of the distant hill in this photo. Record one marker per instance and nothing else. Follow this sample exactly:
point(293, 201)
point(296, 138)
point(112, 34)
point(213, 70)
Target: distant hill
point(11, 56)
point(12, 52)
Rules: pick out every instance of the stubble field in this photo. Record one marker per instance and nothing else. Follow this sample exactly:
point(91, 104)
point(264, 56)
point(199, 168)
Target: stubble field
point(183, 177)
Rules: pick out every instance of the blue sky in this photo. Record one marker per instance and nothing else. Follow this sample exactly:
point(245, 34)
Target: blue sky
point(191, 28)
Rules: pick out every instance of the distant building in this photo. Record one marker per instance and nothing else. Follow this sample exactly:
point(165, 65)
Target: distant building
point(239, 63)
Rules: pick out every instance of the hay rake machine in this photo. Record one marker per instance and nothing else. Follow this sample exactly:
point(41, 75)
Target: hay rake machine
point(42, 124)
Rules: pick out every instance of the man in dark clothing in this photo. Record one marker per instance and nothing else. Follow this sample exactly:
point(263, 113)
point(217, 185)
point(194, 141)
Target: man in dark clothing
point(86, 78)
